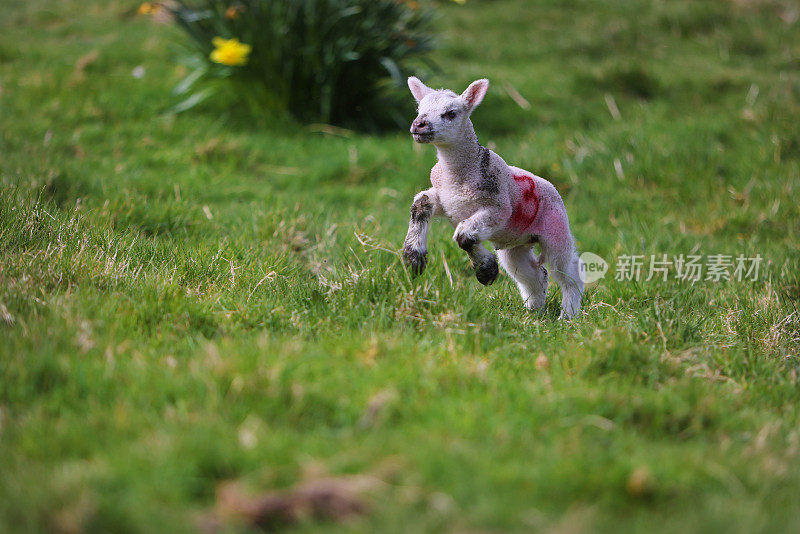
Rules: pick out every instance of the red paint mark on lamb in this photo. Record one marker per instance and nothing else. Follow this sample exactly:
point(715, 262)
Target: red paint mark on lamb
point(526, 210)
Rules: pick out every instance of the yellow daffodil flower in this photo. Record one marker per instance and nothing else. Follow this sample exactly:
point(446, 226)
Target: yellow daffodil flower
point(148, 8)
point(230, 52)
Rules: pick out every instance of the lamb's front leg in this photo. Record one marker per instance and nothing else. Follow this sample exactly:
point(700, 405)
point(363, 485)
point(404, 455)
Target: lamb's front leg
point(415, 248)
point(470, 233)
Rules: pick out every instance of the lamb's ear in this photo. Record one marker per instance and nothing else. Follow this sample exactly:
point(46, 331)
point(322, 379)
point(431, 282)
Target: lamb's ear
point(418, 89)
point(474, 94)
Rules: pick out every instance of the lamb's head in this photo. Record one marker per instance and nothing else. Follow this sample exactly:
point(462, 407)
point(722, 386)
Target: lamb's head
point(443, 116)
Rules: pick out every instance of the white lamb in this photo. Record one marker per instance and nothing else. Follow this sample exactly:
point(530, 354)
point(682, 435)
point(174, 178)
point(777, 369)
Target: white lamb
point(486, 199)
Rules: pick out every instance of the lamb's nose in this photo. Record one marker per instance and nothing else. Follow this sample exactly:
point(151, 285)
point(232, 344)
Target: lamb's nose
point(419, 126)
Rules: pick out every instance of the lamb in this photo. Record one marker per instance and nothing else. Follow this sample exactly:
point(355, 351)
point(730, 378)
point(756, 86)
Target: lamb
point(487, 200)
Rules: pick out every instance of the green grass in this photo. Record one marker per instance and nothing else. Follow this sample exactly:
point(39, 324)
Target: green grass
point(191, 299)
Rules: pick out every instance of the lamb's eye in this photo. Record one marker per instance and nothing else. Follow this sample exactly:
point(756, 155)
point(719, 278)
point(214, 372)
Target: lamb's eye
point(449, 115)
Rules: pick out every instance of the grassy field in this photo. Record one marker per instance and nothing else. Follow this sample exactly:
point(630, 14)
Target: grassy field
point(207, 297)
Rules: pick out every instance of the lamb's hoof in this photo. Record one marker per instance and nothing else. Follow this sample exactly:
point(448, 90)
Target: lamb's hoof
point(535, 307)
point(569, 311)
point(415, 260)
point(538, 302)
point(487, 272)
point(565, 316)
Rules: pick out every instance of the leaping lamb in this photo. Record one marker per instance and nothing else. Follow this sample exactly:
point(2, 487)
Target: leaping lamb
point(487, 200)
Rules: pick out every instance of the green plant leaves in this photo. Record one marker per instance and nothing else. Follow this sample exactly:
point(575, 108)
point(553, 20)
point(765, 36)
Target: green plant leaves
point(192, 101)
point(187, 83)
point(334, 61)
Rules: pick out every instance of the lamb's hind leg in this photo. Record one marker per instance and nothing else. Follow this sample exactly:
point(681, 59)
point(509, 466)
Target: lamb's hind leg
point(530, 275)
point(558, 251)
point(565, 267)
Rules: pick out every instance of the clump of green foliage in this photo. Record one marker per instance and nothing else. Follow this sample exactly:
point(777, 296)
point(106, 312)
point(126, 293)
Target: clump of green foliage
point(335, 61)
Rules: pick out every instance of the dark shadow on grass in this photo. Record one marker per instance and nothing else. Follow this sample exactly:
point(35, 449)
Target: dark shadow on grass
point(631, 80)
point(65, 189)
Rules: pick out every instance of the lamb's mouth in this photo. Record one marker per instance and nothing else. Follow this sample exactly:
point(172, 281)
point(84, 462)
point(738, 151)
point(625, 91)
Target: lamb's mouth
point(425, 137)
